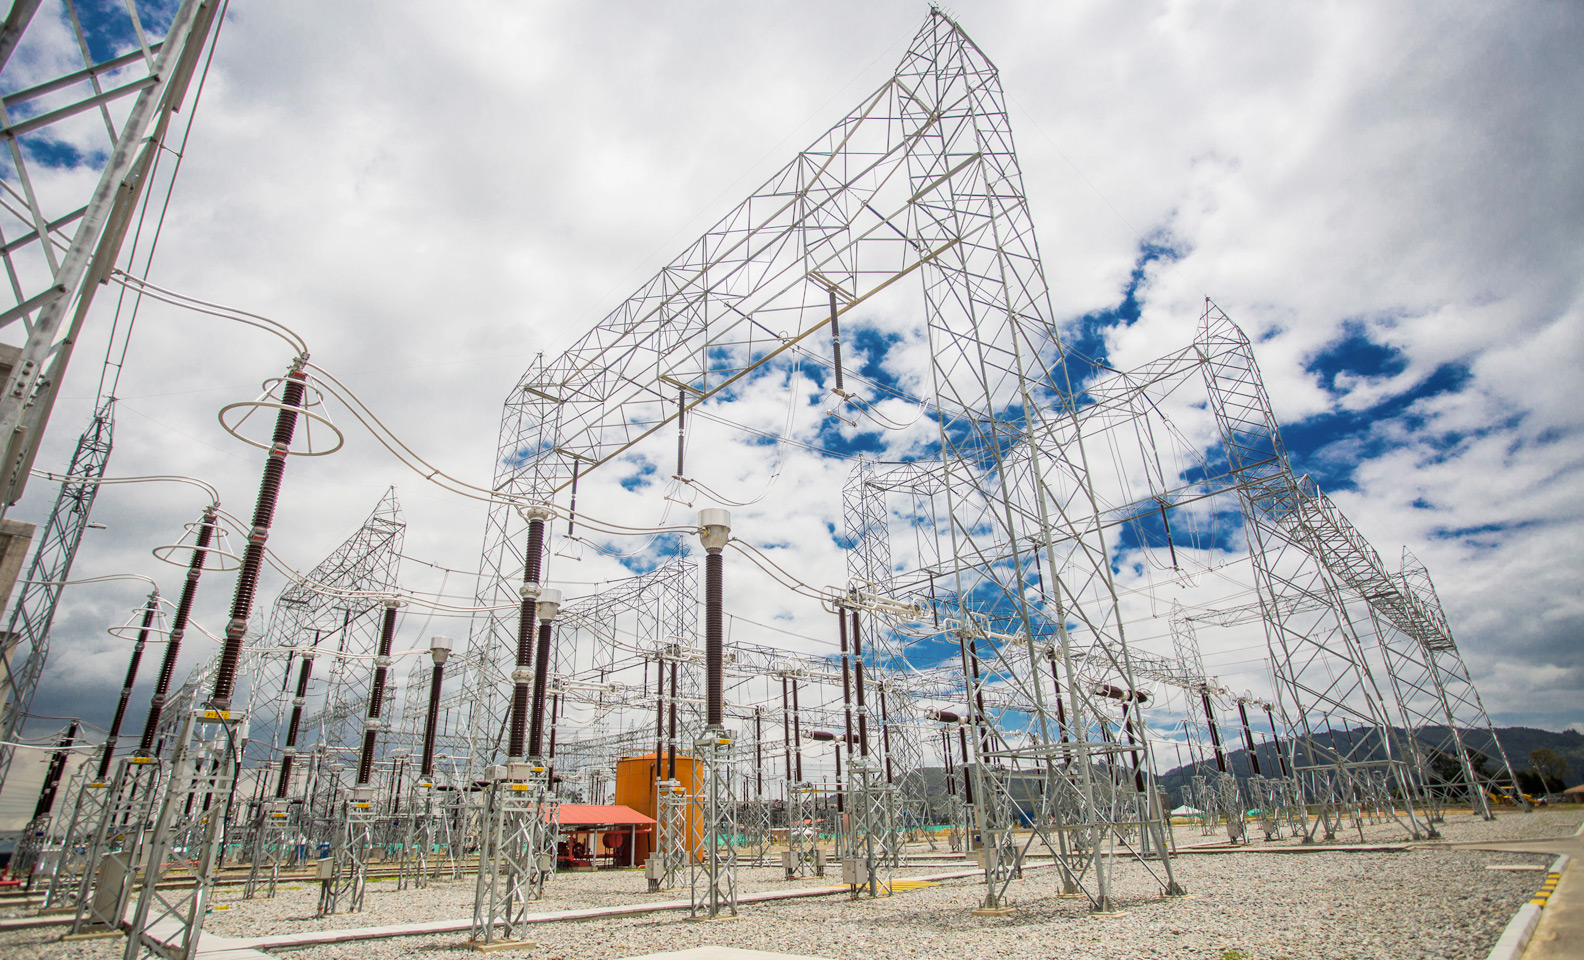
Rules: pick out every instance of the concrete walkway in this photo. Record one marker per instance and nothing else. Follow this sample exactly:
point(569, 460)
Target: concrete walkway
point(247, 948)
point(723, 953)
point(1560, 934)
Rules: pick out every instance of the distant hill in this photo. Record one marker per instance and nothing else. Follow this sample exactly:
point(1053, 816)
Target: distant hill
point(1517, 742)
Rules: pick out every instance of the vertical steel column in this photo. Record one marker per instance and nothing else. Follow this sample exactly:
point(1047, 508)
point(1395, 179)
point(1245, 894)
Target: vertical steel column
point(299, 698)
point(178, 629)
point(522, 676)
point(439, 650)
point(149, 610)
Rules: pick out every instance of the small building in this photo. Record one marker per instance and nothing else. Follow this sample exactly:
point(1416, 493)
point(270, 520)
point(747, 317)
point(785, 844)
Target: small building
point(601, 835)
point(1573, 794)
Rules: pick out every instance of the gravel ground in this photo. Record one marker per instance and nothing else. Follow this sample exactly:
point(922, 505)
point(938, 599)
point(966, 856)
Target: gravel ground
point(1422, 903)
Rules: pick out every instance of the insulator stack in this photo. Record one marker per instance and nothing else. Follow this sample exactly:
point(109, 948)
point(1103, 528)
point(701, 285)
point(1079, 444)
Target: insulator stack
point(659, 712)
point(681, 429)
point(126, 687)
point(714, 640)
point(671, 726)
point(52, 774)
point(541, 681)
point(1114, 692)
point(858, 678)
point(836, 341)
point(178, 629)
point(527, 616)
point(1138, 770)
point(555, 717)
point(1281, 756)
point(758, 752)
point(951, 782)
point(786, 728)
point(1215, 734)
point(431, 720)
point(1248, 738)
point(304, 673)
point(846, 669)
point(885, 733)
point(962, 743)
point(382, 660)
point(797, 734)
point(263, 516)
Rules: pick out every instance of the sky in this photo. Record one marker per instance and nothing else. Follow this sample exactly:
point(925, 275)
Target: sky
point(1386, 196)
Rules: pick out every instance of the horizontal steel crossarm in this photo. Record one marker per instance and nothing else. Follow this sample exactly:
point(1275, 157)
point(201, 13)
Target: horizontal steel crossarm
point(74, 276)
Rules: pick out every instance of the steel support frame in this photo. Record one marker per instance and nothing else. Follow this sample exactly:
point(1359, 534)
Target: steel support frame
point(180, 857)
point(711, 856)
point(517, 851)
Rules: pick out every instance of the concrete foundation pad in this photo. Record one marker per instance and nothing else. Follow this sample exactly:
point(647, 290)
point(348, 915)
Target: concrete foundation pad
point(723, 953)
point(92, 935)
point(495, 945)
point(993, 912)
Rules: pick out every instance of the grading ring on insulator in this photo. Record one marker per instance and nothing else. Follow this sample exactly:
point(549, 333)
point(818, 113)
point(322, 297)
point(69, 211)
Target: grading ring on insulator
point(217, 559)
point(243, 411)
point(536, 511)
point(157, 630)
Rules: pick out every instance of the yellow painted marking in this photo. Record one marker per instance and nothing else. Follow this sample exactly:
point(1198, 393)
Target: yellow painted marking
point(1546, 889)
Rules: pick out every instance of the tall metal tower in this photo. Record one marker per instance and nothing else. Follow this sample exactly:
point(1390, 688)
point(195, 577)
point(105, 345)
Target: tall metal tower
point(1350, 641)
point(90, 89)
point(98, 96)
point(27, 637)
point(913, 202)
point(333, 619)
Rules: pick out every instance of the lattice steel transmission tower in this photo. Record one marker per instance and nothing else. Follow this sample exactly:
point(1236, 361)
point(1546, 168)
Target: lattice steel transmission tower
point(85, 90)
point(913, 201)
point(27, 639)
point(320, 637)
point(1350, 641)
point(99, 96)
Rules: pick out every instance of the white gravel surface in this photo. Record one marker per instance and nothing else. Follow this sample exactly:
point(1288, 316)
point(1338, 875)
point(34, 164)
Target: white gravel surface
point(1427, 902)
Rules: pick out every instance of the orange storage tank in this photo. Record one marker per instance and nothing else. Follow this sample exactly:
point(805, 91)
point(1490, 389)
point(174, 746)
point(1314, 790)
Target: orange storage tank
point(635, 787)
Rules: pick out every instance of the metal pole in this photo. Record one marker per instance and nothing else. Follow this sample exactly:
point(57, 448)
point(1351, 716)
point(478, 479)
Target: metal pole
point(126, 687)
point(371, 724)
point(206, 526)
point(523, 674)
point(263, 516)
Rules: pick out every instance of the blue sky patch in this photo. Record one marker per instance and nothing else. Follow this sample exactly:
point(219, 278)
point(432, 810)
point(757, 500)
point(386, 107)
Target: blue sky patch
point(1356, 354)
point(58, 153)
point(1309, 440)
point(1084, 339)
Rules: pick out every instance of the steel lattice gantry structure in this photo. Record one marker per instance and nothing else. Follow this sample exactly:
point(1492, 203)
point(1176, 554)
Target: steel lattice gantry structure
point(69, 104)
point(325, 628)
point(25, 647)
point(81, 90)
point(1338, 622)
point(915, 198)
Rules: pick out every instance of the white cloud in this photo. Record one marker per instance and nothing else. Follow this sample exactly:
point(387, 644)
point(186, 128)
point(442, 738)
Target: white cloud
point(432, 196)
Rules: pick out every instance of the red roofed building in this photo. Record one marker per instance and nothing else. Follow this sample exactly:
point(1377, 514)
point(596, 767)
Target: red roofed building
point(601, 835)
